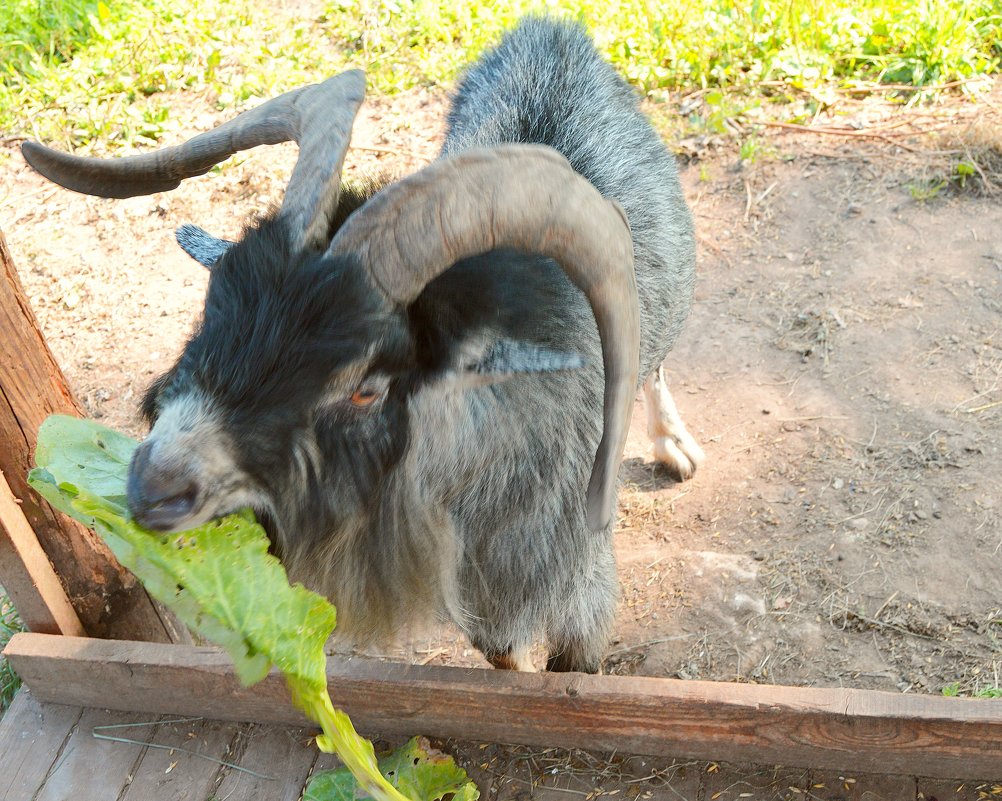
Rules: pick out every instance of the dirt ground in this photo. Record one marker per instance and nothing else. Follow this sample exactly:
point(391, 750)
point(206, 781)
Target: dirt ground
point(842, 368)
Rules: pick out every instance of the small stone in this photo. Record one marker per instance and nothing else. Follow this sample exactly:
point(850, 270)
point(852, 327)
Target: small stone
point(743, 602)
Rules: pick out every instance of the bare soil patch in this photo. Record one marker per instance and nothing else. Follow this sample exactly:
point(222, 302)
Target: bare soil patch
point(842, 369)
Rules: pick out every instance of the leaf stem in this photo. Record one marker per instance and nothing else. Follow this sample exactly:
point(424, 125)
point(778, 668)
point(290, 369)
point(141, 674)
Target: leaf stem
point(340, 738)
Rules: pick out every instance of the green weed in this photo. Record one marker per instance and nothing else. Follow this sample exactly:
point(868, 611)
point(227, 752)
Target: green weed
point(754, 149)
point(963, 170)
point(49, 31)
point(954, 691)
point(686, 44)
point(926, 190)
point(718, 111)
point(74, 72)
point(109, 85)
point(10, 624)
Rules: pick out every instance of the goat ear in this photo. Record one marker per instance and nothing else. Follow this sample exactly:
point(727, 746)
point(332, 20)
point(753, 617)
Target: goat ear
point(202, 246)
point(508, 358)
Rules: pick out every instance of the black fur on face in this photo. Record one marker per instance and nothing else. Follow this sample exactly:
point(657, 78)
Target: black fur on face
point(278, 323)
point(285, 342)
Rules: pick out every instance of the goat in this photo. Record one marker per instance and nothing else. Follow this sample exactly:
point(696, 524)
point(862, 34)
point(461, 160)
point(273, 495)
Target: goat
point(404, 383)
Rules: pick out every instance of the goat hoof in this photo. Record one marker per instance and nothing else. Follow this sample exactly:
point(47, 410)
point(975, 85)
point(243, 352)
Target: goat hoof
point(680, 463)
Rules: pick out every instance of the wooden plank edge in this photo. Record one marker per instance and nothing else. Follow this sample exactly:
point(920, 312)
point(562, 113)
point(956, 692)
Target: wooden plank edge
point(27, 575)
point(855, 730)
point(32, 738)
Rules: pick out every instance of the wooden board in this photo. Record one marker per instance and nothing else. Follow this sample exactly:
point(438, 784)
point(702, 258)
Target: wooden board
point(49, 751)
point(184, 764)
point(108, 600)
point(28, 577)
point(854, 730)
point(89, 769)
point(284, 755)
point(31, 739)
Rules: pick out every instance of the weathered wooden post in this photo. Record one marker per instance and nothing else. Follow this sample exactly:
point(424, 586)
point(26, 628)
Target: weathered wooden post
point(107, 600)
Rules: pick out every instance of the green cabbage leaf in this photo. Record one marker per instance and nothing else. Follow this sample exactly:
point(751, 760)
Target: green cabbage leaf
point(221, 582)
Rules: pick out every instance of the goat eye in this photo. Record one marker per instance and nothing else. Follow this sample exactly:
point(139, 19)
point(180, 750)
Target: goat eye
point(364, 396)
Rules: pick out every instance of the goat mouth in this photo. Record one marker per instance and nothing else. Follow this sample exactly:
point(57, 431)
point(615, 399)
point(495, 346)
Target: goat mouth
point(267, 521)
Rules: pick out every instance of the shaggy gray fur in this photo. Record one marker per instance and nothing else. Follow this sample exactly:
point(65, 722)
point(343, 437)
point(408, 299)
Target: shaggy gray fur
point(457, 493)
point(528, 563)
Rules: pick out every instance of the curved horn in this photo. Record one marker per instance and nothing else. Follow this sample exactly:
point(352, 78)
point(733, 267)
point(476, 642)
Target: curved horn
point(526, 197)
point(317, 117)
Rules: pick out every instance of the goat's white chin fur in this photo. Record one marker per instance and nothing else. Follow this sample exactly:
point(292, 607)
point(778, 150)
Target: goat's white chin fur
point(674, 446)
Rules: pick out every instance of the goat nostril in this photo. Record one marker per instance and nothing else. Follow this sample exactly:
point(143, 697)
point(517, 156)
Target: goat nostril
point(177, 505)
point(159, 497)
point(161, 508)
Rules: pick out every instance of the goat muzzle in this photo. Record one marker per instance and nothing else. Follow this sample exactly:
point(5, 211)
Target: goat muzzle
point(160, 498)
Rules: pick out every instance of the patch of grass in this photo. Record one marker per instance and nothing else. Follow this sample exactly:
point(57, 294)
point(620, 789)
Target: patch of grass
point(754, 149)
point(968, 162)
point(76, 72)
point(925, 190)
point(954, 691)
point(49, 31)
point(979, 169)
point(109, 83)
point(691, 44)
point(10, 625)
